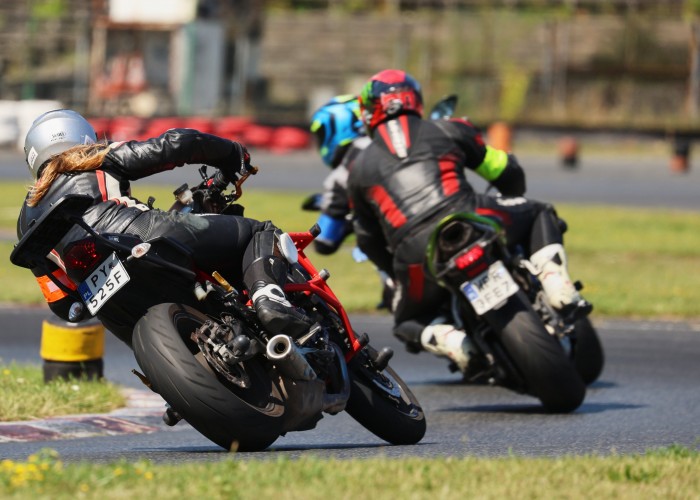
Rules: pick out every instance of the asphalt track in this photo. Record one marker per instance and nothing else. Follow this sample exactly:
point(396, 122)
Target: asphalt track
point(646, 397)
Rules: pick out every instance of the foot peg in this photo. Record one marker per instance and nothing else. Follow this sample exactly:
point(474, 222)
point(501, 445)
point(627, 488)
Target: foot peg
point(171, 417)
point(576, 310)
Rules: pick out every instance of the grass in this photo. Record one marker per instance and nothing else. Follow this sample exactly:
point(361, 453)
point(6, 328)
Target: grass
point(25, 396)
point(659, 474)
point(633, 262)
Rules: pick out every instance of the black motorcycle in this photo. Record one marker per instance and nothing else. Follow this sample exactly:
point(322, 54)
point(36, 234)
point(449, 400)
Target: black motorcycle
point(198, 340)
point(521, 342)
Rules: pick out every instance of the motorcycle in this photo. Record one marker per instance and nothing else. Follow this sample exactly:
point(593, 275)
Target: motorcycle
point(199, 342)
point(579, 337)
point(521, 342)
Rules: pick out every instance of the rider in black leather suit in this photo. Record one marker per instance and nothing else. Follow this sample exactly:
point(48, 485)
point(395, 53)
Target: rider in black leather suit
point(243, 250)
point(410, 177)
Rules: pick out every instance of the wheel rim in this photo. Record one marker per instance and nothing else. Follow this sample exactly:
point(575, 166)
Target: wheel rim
point(260, 393)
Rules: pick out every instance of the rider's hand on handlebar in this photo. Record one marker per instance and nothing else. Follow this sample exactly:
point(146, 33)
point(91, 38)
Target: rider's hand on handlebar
point(239, 162)
point(244, 156)
point(246, 160)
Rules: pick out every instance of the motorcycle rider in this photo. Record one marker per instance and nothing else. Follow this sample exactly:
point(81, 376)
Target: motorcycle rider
point(64, 157)
point(340, 137)
point(410, 177)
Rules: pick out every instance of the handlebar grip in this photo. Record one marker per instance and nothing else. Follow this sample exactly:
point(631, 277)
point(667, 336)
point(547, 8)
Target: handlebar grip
point(219, 180)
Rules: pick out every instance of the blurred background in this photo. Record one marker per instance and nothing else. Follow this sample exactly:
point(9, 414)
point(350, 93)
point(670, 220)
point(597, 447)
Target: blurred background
point(255, 70)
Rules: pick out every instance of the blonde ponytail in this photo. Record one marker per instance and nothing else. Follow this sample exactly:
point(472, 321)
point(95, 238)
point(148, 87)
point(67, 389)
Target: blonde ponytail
point(81, 158)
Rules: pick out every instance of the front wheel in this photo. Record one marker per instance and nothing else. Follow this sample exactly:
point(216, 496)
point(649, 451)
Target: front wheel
point(382, 402)
point(235, 418)
point(538, 357)
point(588, 353)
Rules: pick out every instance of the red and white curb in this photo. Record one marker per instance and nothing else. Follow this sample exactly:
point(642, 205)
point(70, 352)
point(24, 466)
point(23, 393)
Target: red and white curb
point(142, 414)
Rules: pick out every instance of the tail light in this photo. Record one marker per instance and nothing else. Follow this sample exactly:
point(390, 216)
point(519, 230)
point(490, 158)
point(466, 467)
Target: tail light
point(82, 255)
point(471, 261)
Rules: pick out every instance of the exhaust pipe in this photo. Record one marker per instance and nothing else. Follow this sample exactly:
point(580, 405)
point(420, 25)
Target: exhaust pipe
point(282, 351)
point(290, 360)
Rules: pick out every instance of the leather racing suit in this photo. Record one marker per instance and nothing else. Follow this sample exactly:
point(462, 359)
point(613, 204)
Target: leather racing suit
point(410, 177)
point(334, 204)
point(218, 242)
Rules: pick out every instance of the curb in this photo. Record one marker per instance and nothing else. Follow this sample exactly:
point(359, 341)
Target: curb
point(142, 414)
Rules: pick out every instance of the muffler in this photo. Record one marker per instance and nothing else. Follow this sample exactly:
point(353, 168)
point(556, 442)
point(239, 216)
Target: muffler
point(282, 351)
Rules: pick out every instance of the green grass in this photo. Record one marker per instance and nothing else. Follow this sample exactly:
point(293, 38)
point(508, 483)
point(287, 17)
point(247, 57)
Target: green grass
point(633, 262)
point(25, 396)
point(659, 474)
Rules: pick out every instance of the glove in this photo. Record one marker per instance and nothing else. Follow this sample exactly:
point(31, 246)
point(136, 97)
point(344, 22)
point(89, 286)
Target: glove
point(238, 162)
point(245, 164)
point(312, 203)
point(244, 157)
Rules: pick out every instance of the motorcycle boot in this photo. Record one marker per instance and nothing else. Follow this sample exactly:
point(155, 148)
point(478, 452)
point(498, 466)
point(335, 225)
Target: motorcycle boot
point(409, 333)
point(264, 277)
point(445, 340)
point(551, 265)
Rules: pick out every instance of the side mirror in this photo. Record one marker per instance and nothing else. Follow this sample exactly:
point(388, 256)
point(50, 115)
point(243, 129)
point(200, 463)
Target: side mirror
point(444, 108)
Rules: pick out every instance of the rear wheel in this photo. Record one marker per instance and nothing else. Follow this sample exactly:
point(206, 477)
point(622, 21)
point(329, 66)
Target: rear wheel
point(588, 353)
point(383, 403)
point(538, 357)
point(231, 416)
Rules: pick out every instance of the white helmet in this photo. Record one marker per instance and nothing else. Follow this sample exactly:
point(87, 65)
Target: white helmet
point(52, 133)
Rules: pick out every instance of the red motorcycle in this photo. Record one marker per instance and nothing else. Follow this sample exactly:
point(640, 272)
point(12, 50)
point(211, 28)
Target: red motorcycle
point(200, 344)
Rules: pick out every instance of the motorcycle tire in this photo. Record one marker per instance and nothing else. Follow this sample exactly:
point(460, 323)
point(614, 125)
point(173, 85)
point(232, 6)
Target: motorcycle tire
point(382, 402)
point(539, 358)
point(235, 418)
point(589, 358)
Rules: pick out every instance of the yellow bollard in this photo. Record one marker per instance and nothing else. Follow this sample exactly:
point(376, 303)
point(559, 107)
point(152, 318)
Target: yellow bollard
point(72, 349)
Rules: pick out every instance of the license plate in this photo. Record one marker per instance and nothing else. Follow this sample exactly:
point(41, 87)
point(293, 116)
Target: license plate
point(104, 282)
point(490, 289)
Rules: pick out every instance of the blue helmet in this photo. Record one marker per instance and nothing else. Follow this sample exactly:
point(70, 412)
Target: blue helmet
point(335, 125)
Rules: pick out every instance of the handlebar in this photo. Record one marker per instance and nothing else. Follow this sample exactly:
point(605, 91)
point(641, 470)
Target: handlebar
point(210, 195)
point(219, 181)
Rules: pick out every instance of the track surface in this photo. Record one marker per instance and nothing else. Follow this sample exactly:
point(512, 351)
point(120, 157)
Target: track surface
point(646, 397)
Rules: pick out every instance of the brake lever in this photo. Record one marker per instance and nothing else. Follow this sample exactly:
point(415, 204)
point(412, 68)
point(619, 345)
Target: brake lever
point(238, 189)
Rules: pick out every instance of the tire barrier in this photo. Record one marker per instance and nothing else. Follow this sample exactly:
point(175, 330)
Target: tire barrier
point(278, 139)
point(72, 350)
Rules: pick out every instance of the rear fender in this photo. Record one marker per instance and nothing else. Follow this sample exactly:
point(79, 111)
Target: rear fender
point(441, 264)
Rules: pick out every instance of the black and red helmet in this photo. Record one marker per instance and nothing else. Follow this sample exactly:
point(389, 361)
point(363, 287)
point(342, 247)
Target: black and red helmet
point(389, 93)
